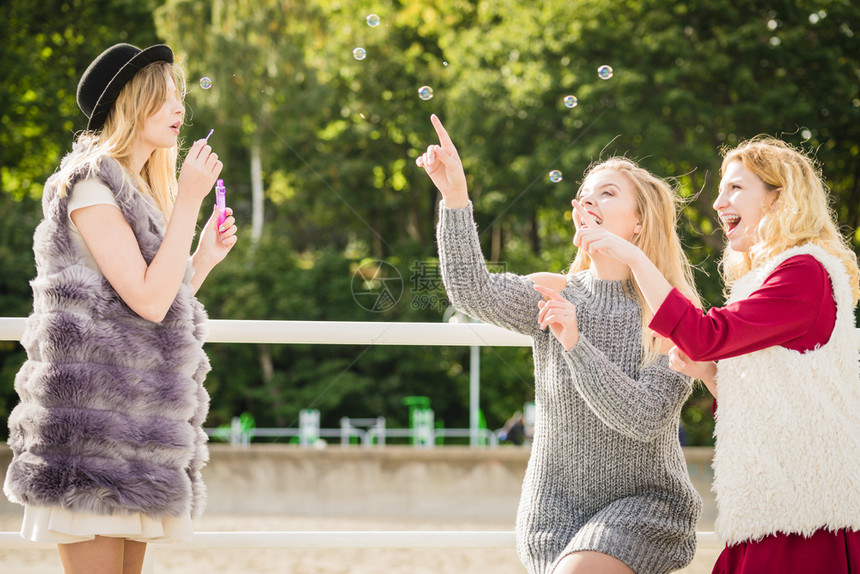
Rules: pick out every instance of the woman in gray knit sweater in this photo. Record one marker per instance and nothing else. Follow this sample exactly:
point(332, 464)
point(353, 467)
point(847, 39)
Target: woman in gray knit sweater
point(606, 489)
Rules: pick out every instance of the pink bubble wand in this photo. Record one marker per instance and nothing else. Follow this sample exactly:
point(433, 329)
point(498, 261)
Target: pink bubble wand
point(220, 201)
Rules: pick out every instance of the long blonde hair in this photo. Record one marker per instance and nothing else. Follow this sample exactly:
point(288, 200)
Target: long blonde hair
point(139, 99)
point(801, 213)
point(657, 204)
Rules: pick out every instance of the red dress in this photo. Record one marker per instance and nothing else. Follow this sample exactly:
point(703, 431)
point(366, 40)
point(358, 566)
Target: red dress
point(794, 308)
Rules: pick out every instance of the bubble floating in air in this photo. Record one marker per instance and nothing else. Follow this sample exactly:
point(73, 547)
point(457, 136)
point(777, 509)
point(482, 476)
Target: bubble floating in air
point(425, 92)
point(373, 20)
point(359, 53)
point(604, 72)
point(555, 176)
point(570, 101)
point(205, 82)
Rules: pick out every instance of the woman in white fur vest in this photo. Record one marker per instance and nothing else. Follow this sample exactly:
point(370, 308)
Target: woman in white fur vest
point(787, 455)
point(107, 438)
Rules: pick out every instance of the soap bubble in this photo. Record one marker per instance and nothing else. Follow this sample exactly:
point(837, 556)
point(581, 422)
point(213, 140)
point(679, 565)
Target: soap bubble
point(205, 82)
point(425, 92)
point(373, 20)
point(605, 72)
point(555, 176)
point(359, 53)
point(570, 101)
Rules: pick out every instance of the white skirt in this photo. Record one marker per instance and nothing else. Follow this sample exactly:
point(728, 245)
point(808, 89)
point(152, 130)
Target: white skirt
point(61, 526)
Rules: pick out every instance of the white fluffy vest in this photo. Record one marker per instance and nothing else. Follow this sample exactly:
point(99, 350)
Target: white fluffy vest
point(787, 456)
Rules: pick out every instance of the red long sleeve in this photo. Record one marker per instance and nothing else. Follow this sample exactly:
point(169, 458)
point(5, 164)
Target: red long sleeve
point(794, 308)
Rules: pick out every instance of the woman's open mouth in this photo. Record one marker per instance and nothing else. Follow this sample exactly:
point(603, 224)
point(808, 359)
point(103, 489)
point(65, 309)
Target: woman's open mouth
point(596, 217)
point(730, 222)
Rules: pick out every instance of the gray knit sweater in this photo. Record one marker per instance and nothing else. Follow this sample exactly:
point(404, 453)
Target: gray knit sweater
point(606, 471)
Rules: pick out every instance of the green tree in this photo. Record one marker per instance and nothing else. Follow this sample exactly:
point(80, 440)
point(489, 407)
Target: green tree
point(45, 47)
point(326, 142)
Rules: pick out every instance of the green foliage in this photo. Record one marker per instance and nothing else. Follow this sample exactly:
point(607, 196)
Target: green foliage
point(337, 138)
point(44, 47)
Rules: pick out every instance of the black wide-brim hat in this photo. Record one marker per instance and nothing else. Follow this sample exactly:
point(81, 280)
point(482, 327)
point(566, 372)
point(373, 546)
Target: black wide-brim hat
point(106, 76)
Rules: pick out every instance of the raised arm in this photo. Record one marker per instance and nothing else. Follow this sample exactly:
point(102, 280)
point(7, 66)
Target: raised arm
point(503, 299)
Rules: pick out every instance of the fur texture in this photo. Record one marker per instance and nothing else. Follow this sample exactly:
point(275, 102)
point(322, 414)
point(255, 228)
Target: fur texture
point(111, 405)
point(787, 455)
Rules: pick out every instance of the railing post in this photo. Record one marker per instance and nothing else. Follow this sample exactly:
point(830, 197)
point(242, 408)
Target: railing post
point(345, 433)
point(380, 431)
point(235, 432)
point(309, 427)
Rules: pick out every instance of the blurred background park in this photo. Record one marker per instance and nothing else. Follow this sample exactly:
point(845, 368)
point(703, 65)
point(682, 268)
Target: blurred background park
point(319, 111)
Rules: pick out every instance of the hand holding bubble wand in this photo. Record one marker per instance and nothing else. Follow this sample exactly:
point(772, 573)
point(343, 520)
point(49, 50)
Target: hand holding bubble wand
point(220, 192)
point(221, 201)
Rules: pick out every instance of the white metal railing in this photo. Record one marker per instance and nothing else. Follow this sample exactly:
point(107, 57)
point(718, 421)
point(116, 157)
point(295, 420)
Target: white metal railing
point(376, 433)
point(367, 438)
point(337, 539)
point(340, 333)
point(336, 333)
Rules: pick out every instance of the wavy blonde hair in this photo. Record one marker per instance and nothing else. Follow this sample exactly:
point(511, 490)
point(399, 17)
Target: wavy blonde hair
point(139, 99)
point(657, 205)
point(801, 213)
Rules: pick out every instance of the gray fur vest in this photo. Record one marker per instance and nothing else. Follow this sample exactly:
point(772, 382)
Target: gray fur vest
point(111, 405)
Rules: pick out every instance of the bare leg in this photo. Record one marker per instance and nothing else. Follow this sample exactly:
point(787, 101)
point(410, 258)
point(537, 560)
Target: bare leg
point(103, 555)
point(133, 558)
point(588, 562)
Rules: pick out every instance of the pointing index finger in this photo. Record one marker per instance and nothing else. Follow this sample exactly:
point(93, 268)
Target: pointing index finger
point(444, 138)
point(551, 293)
point(587, 217)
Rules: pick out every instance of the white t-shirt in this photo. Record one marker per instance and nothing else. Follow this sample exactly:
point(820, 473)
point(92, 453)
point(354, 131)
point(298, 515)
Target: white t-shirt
point(84, 194)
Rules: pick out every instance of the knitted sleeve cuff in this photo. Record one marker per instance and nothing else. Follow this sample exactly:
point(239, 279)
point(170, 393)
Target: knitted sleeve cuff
point(466, 210)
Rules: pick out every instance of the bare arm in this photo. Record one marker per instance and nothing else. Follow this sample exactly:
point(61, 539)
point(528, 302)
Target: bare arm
point(213, 246)
point(150, 289)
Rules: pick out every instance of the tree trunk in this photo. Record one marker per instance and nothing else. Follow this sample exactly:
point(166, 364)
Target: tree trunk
point(256, 192)
point(496, 243)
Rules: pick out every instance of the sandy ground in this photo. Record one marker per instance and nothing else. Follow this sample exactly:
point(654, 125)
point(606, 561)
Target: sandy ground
point(169, 559)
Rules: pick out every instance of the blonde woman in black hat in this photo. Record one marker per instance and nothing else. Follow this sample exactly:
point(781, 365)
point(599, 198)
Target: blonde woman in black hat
point(107, 437)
